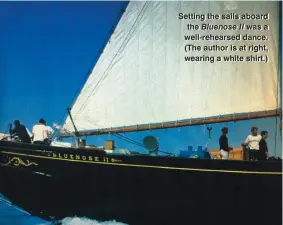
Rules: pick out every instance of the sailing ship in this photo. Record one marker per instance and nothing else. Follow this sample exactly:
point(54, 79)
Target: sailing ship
point(142, 88)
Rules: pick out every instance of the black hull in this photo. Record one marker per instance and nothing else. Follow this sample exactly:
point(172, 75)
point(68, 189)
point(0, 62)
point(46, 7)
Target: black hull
point(140, 190)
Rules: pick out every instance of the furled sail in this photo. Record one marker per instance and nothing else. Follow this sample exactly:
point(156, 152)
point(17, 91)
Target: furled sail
point(142, 77)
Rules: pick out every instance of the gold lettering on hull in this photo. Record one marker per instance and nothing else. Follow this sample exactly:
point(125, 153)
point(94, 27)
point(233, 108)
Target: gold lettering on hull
point(84, 158)
point(15, 161)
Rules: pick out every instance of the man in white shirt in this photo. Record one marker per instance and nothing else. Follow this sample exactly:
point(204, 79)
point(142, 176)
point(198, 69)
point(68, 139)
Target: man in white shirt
point(50, 132)
point(252, 144)
point(40, 133)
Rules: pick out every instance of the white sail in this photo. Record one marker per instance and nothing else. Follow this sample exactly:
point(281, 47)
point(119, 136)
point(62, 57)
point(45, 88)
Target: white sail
point(142, 78)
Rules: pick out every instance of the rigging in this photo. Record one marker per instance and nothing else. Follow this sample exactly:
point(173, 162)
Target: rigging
point(111, 62)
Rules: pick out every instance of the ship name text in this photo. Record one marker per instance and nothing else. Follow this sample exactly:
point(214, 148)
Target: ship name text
point(86, 158)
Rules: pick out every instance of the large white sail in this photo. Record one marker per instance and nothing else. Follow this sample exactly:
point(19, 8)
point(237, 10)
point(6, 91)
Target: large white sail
point(142, 78)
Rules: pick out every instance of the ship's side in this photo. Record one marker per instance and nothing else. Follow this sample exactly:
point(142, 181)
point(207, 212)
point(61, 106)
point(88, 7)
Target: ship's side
point(138, 189)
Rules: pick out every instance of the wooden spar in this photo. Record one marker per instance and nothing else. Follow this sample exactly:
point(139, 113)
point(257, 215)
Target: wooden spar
point(221, 119)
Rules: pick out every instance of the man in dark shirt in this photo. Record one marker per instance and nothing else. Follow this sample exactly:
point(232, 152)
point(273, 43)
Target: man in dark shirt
point(223, 144)
point(263, 149)
point(21, 131)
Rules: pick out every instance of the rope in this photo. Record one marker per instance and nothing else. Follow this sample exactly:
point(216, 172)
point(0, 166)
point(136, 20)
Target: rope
point(128, 140)
point(75, 96)
point(4, 201)
point(137, 143)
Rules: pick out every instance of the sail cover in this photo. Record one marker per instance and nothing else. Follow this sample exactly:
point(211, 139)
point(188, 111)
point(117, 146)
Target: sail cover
point(142, 76)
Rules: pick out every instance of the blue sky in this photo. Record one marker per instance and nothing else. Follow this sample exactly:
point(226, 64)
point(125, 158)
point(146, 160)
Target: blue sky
point(46, 50)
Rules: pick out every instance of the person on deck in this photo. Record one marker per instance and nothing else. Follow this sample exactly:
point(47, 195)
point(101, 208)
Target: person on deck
point(21, 131)
point(223, 144)
point(50, 132)
point(252, 144)
point(263, 149)
point(40, 133)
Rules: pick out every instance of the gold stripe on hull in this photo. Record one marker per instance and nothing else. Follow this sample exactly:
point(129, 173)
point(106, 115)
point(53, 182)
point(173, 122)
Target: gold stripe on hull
point(112, 161)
